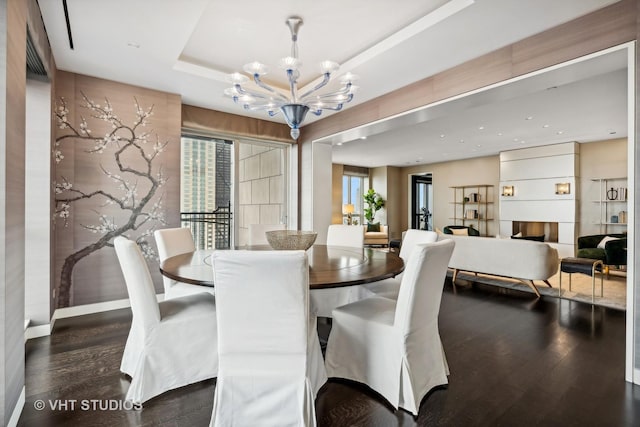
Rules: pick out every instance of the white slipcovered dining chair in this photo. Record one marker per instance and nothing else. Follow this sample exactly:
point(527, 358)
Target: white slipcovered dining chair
point(345, 235)
point(171, 344)
point(323, 301)
point(271, 366)
point(171, 242)
point(389, 288)
point(392, 346)
point(257, 232)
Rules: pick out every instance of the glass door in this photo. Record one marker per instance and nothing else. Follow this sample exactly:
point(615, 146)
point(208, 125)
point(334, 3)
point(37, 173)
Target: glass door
point(206, 185)
point(422, 202)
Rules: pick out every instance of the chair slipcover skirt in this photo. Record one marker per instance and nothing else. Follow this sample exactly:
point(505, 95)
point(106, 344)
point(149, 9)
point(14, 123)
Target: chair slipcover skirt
point(394, 346)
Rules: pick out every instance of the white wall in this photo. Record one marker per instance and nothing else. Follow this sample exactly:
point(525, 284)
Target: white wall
point(37, 202)
point(315, 192)
point(602, 159)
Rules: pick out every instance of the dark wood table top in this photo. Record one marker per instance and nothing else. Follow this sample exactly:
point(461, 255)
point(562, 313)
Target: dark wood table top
point(329, 266)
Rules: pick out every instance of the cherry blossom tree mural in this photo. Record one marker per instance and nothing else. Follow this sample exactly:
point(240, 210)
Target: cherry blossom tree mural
point(128, 152)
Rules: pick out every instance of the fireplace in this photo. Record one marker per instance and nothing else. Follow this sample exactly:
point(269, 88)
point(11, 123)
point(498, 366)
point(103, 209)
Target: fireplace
point(537, 228)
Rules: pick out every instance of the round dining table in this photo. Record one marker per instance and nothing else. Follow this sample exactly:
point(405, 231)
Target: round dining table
point(329, 266)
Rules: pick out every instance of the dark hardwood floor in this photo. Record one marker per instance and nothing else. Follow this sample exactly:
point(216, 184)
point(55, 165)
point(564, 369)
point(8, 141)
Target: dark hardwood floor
point(514, 361)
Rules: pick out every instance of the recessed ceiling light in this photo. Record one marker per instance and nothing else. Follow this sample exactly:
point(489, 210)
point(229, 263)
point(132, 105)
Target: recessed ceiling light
point(442, 135)
point(522, 142)
point(499, 133)
point(478, 145)
point(363, 137)
point(133, 44)
point(461, 141)
point(516, 139)
point(545, 126)
point(480, 127)
point(339, 143)
point(560, 132)
point(529, 118)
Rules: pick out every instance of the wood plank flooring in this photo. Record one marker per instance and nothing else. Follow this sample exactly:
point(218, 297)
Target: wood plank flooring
point(514, 361)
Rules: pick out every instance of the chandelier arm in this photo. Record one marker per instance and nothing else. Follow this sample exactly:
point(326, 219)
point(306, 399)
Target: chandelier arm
point(243, 91)
point(332, 108)
point(325, 80)
point(346, 90)
point(260, 83)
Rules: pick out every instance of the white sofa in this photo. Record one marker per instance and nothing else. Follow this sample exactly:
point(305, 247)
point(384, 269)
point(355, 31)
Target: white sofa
point(524, 260)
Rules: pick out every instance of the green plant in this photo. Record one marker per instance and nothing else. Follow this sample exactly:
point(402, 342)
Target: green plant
point(374, 202)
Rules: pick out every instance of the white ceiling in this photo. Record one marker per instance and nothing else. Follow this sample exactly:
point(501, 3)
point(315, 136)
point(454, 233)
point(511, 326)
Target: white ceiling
point(188, 47)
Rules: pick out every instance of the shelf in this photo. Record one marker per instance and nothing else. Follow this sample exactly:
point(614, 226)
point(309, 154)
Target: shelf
point(481, 203)
point(608, 207)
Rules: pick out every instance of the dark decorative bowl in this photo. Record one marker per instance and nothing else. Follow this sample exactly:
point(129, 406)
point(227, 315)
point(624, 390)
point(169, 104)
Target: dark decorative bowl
point(291, 239)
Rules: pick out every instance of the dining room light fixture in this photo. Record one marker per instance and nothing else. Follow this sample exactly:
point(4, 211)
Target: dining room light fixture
point(294, 106)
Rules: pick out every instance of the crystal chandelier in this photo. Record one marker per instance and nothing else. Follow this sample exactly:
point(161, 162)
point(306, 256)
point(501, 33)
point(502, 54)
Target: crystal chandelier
point(294, 106)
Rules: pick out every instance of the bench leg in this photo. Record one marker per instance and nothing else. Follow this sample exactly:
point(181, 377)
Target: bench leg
point(548, 284)
point(593, 279)
point(560, 288)
point(455, 275)
point(531, 285)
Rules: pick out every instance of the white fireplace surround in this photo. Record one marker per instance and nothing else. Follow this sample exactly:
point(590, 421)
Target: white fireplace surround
point(534, 173)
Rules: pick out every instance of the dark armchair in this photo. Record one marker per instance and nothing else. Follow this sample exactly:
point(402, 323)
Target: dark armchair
point(614, 252)
point(470, 230)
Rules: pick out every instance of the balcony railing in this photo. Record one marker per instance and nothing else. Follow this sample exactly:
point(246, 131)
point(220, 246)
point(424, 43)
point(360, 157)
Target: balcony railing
point(211, 230)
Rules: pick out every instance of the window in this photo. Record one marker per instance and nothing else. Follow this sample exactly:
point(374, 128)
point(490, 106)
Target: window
point(263, 185)
point(353, 188)
point(205, 183)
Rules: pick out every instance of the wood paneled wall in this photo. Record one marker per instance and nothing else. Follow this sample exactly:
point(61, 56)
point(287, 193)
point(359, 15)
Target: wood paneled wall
point(97, 277)
point(607, 27)
point(13, 15)
point(217, 122)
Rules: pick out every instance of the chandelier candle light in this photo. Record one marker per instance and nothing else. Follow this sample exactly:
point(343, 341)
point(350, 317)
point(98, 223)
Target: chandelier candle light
point(294, 107)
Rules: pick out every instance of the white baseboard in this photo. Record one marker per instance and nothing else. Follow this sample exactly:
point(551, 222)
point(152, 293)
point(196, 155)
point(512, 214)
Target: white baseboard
point(78, 310)
point(81, 310)
point(17, 410)
point(38, 331)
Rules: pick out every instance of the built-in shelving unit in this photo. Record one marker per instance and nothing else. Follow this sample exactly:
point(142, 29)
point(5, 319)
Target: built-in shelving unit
point(612, 204)
point(473, 206)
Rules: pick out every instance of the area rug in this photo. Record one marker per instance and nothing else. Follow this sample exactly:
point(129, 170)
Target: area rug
point(470, 278)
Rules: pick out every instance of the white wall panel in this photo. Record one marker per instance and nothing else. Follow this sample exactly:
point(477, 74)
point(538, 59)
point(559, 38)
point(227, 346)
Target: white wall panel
point(538, 210)
point(538, 168)
point(564, 250)
point(567, 233)
point(544, 151)
point(322, 168)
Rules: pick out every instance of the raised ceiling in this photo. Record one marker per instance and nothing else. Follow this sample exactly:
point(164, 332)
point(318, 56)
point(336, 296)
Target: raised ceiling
point(188, 47)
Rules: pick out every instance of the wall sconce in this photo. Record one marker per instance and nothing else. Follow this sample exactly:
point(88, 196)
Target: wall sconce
point(507, 190)
point(563, 188)
point(348, 209)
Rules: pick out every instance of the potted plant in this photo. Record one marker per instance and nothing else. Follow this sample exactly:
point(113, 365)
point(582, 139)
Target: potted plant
point(374, 202)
